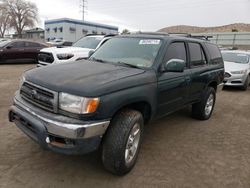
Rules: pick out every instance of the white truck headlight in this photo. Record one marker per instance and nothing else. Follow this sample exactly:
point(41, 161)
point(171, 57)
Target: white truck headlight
point(64, 56)
point(239, 72)
point(76, 104)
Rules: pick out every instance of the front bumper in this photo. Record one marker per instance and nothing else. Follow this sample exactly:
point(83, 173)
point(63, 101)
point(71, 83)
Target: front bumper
point(235, 80)
point(68, 136)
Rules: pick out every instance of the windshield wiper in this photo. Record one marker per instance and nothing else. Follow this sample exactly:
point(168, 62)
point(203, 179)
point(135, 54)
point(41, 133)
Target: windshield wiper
point(127, 64)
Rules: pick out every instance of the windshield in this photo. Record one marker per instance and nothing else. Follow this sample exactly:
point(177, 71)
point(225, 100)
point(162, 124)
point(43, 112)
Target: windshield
point(88, 42)
point(235, 57)
point(3, 43)
point(136, 52)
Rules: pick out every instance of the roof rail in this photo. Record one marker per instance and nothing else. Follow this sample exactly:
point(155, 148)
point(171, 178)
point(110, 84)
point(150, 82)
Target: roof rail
point(92, 34)
point(202, 37)
point(151, 33)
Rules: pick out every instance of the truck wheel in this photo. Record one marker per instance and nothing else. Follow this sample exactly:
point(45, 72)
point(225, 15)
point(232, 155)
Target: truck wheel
point(203, 110)
point(246, 84)
point(122, 142)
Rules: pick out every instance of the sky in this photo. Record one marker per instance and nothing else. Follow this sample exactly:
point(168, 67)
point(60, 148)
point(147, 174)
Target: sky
point(148, 15)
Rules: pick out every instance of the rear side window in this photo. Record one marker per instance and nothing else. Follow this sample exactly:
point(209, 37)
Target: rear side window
point(31, 45)
point(197, 56)
point(214, 53)
point(18, 44)
point(176, 50)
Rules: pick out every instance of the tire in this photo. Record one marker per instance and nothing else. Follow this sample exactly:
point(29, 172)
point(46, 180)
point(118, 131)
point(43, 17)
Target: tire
point(246, 84)
point(116, 142)
point(203, 110)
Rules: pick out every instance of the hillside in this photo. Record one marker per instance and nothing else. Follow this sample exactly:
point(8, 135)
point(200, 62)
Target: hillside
point(193, 29)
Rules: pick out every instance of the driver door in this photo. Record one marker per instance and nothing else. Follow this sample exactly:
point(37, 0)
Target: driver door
point(13, 53)
point(173, 86)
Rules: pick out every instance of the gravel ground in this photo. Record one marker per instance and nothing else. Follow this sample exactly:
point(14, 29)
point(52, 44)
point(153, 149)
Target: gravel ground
point(177, 151)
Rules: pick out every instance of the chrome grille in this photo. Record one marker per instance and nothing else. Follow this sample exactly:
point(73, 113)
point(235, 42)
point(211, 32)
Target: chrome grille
point(39, 96)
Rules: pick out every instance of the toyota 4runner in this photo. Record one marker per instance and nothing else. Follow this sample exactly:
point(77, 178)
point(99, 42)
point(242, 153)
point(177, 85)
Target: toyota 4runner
point(104, 102)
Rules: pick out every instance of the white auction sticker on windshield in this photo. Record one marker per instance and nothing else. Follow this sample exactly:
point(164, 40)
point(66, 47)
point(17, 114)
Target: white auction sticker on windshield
point(149, 41)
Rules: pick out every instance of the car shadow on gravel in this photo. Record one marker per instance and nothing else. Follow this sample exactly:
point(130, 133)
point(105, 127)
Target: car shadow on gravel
point(233, 89)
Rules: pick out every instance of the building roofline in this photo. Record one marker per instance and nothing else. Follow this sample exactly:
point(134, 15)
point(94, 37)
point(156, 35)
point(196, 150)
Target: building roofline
point(79, 22)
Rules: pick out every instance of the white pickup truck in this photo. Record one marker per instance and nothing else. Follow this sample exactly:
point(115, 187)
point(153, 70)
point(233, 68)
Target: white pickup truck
point(80, 50)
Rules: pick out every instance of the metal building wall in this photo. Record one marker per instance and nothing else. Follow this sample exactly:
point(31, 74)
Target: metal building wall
point(229, 38)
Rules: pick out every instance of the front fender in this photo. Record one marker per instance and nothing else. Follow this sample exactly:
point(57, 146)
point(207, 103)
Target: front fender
point(113, 102)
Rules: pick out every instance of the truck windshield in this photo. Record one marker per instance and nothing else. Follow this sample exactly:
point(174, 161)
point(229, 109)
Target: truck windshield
point(235, 57)
point(137, 52)
point(88, 42)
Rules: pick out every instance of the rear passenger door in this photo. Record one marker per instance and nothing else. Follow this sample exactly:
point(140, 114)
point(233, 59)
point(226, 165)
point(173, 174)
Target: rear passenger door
point(31, 51)
point(173, 86)
point(199, 70)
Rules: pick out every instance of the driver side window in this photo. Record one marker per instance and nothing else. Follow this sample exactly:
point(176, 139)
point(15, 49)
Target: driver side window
point(176, 50)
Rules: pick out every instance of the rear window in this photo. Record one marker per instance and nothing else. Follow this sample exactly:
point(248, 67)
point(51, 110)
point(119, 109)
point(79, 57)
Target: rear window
point(215, 54)
point(197, 55)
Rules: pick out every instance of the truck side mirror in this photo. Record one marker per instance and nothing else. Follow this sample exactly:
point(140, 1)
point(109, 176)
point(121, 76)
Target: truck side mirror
point(174, 65)
point(91, 52)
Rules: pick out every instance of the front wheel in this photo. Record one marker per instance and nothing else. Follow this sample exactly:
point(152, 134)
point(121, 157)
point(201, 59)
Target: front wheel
point(246, 84)
point(203, 110)
point(122, 142)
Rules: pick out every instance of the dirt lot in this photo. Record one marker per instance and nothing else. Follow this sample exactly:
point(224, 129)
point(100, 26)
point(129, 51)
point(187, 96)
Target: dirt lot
point(178, 151)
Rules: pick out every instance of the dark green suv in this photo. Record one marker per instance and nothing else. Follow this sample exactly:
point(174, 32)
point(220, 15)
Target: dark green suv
point(104, 102)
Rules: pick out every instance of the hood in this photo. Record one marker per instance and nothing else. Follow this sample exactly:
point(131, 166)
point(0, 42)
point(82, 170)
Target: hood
point(232, 66)
point(88, 78)
point(63, 50)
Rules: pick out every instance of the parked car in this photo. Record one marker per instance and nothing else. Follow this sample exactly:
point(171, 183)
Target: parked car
point(4, 39)
point(59, 42)
point(80, 50)
point(19, 51)
point(75, 108)
point(237, 68)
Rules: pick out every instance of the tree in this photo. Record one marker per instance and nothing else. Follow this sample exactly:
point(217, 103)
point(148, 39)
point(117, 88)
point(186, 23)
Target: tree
point(235, 30)
point(4, 20)
point(22, 14)
point(125, 31)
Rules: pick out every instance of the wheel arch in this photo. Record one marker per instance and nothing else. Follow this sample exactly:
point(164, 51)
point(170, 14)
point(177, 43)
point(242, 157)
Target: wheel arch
point(213, 84)
point(143, 106)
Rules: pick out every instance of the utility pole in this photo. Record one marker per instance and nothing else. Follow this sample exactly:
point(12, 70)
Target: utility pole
point(83, 6)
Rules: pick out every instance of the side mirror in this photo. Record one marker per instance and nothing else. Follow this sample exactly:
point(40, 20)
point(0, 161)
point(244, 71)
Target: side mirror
point(9, 47)
point(174, 65)
point(91, 52)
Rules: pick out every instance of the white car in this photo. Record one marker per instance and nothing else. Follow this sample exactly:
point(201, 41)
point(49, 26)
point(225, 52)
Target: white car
point(79, 50)
point(237, 68)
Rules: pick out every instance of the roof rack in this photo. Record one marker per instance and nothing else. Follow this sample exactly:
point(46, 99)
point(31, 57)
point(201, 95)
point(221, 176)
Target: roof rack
point(202, 37)
point(151, 33)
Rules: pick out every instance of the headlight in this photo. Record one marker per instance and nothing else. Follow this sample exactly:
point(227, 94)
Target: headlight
point(64, 56)
point(76, 104)
point(239, 72)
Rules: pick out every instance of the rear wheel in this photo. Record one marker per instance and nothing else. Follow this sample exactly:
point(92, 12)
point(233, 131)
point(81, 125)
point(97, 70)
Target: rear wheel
point(203, 110)
point(122, 142)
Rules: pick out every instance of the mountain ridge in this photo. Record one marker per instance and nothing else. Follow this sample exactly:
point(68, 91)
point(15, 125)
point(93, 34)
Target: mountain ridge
point(240, 27)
